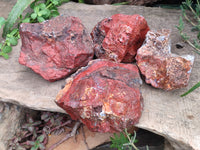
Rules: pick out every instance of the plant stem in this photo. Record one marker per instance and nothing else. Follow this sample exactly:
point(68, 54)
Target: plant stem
point(49, 5)
point(186, 17)
point(84, 138)
point(71, 134)
point(193, 11)
point(192, 45)
point(130, 142)
point(4, 44)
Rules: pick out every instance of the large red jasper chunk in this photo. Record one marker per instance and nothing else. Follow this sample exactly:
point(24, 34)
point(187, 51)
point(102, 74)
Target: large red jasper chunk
point(160, 67)
point(105, 96)
point(118, 38)
point(55, 48)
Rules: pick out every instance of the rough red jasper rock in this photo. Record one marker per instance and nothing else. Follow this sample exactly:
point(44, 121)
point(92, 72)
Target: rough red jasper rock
point(161, 68)
point(118, 38)
point(55, 48)
point(105, 96)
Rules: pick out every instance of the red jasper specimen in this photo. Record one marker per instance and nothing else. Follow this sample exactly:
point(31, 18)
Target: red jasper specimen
point(118, 38)
point(161, 68)
point(104, 95)
point(55, 48)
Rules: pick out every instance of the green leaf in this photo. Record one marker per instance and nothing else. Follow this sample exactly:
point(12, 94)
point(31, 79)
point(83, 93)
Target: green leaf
point(196, 28)
point(33, 148)
point(36, 9)
point(33, 15)
point(196, 44)
point(181, 24)
point(81, 1)
point(36, 123)
point(41, 146)
point(34, 3)
point(118, 141)
point(55, 2)
point(184, 36)
point(48, 14)
point(192, 89)
point(39, 14)
point(26, 20)
point(42, 6)
point(8, 42)
point(40, 19)
point(4, 55)
point(42, 12)
point(55, 13)
point(2, 22)
point(17, 10)
point(44, 116)
point(197, 10)
point(18, 36)
point(31, 129)
point(41, 138)
point(13, 41)
point(14, 31)
point(7, 49)
point(188, 2)
point(31, 143)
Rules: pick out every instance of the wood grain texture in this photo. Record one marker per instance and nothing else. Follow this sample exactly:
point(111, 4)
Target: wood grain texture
point(165, 113)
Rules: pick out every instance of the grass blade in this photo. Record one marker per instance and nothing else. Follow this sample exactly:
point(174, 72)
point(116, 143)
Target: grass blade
point(17, 10)
point(192, 89)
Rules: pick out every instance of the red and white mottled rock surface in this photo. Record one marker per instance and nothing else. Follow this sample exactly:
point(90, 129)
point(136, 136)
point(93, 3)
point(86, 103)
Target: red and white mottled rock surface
point(105, 96)
point(55, 48)
point(118, 38)
point(161, 68)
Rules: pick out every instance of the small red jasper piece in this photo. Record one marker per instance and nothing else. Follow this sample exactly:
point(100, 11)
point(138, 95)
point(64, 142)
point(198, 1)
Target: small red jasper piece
point(55, 48)
point(161, 68)
point(104, 95)
point(118, 38)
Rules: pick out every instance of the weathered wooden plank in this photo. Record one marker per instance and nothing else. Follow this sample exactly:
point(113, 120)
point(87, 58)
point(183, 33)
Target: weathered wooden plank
point(165, 113)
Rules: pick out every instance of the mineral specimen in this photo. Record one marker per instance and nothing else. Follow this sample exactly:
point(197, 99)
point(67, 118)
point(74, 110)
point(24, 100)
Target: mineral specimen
point(105, 96)
point(161, 68)
point(55, 48)
point(118, 38)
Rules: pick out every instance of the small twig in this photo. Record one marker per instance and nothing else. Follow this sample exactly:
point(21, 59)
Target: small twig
point(46, 139)
point(84, 137)
point(71, 134)
point(62, 125)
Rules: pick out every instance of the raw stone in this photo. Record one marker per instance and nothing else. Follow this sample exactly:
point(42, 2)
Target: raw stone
point(161, 68)
point(165, 113)
point(11, 117)
point(104, 95)
point(55, 48)
point(118, 37)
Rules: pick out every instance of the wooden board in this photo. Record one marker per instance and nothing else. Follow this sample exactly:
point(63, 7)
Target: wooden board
point(165, 113)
